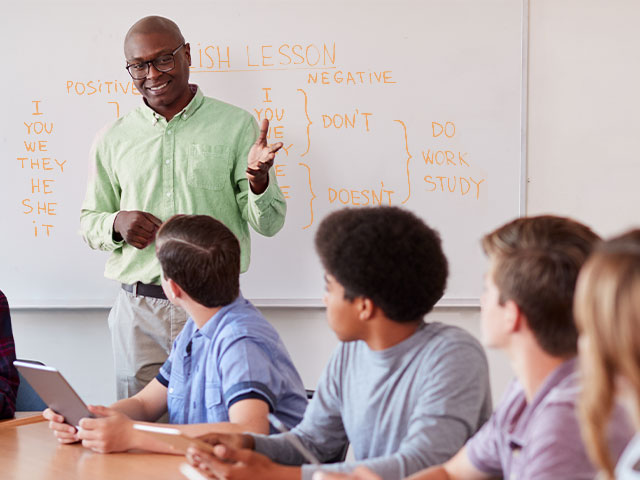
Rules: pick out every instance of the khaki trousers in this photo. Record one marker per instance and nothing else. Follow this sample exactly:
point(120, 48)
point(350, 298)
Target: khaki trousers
point(142, 332)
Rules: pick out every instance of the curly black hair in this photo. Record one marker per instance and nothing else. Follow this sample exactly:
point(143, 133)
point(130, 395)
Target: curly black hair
point(386, 254)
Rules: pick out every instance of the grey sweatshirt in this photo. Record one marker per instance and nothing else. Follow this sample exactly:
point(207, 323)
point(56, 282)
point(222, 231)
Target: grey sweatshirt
point(403, 409)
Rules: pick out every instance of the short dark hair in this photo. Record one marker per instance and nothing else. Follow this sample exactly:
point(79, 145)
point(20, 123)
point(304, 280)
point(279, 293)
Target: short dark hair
point(386, 254)
point(536, 262)
point(202, 256)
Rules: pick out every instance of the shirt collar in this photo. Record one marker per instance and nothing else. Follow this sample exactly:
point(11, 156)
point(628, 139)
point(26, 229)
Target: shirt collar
point(209, 328)
point(188, 111)
point(559, 385)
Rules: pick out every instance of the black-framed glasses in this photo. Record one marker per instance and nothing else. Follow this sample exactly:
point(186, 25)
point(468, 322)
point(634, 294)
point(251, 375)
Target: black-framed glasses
point(163, 63)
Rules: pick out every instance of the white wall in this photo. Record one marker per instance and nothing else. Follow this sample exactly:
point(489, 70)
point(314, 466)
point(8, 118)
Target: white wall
point(582, 161)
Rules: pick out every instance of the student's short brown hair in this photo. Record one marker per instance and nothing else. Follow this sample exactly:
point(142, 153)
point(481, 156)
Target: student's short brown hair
point(536, 261)
point(202, 256)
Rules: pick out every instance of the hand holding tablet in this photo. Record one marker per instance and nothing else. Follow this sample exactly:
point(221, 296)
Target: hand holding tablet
point(55, 391)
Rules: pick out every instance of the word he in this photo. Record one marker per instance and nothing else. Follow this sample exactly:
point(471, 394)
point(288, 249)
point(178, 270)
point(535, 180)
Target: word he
point(346, 120)
point(99, 87)
point(361, 197)
point(352, 78)
point(452, 184)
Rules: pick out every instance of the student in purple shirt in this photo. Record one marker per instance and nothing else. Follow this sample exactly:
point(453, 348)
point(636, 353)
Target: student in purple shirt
point(8, 374)
point(228, 367)
point(527, 312)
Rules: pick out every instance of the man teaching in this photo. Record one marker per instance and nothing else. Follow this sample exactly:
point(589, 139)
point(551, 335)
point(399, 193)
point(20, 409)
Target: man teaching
point(178, 152)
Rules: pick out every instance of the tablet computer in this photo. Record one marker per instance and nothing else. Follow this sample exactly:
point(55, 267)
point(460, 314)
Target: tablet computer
point(173, 437)
point(55, 391)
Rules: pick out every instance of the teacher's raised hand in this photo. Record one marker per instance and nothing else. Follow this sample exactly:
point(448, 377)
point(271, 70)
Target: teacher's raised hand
point(260, 160)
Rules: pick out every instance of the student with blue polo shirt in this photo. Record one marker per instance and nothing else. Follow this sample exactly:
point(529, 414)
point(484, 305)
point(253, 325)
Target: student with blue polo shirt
point(227, 367)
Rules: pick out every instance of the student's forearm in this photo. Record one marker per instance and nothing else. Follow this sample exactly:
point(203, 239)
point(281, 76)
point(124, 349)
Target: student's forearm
point(434, 473)
point(197, 429)
point(135, 409)
point(285, 472)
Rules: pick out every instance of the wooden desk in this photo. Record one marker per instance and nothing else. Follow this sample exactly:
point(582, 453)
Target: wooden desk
point(22, 418)
point(31, 452)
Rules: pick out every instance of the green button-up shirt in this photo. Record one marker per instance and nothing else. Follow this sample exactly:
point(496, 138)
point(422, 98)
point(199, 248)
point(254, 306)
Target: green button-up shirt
point(194, 164)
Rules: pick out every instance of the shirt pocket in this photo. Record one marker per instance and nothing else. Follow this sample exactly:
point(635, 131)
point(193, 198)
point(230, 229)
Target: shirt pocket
point(209, 166)
point(175, 404)
point(216, 409)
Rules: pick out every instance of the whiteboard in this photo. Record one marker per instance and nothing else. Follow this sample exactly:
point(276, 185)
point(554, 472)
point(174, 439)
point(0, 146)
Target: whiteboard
point(416, 104)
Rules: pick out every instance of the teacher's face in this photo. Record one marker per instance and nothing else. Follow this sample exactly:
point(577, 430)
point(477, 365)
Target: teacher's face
point(163, 91)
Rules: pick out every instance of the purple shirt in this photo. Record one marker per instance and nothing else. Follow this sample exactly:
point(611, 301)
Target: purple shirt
point(541, 440)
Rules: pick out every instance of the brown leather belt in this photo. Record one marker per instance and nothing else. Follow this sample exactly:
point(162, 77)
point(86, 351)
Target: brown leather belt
point(145, 289)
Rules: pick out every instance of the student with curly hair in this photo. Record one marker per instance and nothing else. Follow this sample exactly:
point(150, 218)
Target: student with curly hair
point(406, 394)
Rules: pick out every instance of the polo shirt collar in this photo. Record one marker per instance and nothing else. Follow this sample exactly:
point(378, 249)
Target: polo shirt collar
point(561, 379)
point(188, 111)
point(209, 328)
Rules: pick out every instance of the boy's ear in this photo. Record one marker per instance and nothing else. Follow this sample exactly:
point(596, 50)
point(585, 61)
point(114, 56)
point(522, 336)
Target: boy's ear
point(514, 318)
point(366, 308)
point(174, 290)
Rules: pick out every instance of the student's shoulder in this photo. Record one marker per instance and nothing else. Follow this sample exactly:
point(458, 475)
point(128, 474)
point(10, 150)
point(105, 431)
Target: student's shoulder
point(242, 320)
point(439, 337)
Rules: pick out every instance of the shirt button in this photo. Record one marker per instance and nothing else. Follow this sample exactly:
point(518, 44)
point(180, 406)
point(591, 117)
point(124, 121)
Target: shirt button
point(169, 132)
point(184, 116)
point(168, 161)
point(168, 194)
point(171, 390)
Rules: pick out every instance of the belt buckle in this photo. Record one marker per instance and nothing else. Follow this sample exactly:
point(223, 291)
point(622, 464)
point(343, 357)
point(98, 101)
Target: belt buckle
point(135, 289)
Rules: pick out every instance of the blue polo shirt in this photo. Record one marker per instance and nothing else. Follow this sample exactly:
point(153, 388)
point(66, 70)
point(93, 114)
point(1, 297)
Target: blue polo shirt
point(236, 355)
